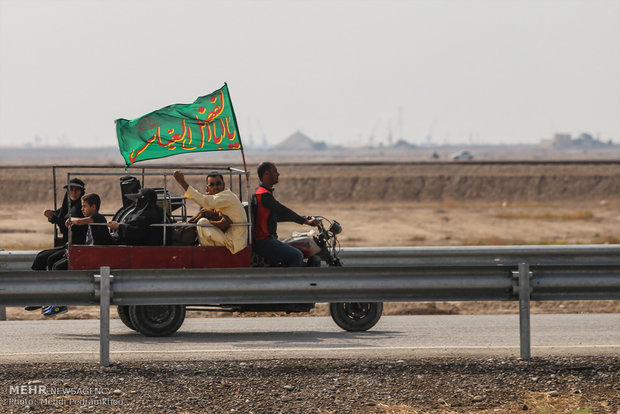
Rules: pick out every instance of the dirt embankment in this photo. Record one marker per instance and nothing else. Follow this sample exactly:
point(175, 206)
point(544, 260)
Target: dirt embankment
point(460, 182)
point(464, 187)
point(419, 182)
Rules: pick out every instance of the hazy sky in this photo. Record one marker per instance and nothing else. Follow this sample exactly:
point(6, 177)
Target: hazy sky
point(512, 71)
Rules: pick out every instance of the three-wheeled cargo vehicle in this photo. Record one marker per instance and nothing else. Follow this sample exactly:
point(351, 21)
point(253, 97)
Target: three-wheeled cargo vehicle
point(169, 249)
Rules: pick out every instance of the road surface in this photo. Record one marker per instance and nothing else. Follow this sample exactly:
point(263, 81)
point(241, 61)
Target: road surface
point(314, 337)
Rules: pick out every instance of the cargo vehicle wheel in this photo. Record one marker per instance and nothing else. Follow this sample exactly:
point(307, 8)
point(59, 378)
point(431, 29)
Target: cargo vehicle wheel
point(157, 320)
point(354, 316)
point(123, 314)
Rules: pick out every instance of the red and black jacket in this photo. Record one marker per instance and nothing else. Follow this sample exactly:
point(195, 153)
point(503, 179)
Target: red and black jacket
point(267, 211)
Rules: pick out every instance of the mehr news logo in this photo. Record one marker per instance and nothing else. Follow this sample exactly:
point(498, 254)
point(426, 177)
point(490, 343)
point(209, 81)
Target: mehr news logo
point(35, 392)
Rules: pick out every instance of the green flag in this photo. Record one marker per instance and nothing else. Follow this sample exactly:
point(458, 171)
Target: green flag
point(208, 124)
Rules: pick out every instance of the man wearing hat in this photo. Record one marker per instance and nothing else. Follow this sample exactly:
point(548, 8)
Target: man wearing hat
point(71, 207)
point(60, 216)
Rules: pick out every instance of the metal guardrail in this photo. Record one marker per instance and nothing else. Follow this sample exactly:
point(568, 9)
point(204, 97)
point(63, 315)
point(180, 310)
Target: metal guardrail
point(17, 259)
point(465, 255)
point(326, 284)
point(449, 274)
point(27, 287)
point(457, 255)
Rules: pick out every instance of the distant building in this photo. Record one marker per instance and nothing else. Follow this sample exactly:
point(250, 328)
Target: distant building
point(299, 141)
point(584, 140)
point(561, 140)
point(402, 144)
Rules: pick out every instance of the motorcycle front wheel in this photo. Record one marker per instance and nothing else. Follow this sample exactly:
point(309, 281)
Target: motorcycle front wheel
point(354, 316)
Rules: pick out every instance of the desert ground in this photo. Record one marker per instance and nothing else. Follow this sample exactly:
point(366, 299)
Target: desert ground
point(383, 204)
point(380, 204)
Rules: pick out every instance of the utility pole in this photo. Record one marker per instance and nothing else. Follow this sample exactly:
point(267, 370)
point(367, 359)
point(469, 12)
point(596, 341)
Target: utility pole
point(400, 122)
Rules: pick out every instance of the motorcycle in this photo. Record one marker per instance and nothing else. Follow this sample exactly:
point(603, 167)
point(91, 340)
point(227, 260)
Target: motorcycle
point(319, 246)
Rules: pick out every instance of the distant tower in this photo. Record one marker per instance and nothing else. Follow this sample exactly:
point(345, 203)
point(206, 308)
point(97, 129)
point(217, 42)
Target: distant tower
point(264, 138)
point(400, 123)
point(371, 139)
point(250, 135)
point(429, 136)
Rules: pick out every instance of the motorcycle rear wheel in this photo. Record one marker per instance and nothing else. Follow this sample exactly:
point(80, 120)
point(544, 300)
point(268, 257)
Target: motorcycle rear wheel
point(354, 316)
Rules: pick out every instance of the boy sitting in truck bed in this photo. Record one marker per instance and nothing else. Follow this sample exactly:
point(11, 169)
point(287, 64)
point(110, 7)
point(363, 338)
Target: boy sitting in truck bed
point(95, 235)
point(99, 233)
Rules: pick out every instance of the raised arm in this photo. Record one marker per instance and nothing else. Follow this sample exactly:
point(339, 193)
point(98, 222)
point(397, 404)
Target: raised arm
point(180, 177)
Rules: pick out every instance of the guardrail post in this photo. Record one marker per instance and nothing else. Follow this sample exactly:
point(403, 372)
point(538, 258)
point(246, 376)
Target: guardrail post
point(104, 316)
point(524, 310)
point(2, 313)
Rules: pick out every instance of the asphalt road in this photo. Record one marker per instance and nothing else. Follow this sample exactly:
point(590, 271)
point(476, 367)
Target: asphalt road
point(314, 337)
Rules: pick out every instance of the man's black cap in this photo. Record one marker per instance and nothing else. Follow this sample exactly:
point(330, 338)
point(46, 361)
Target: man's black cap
point(76, 182)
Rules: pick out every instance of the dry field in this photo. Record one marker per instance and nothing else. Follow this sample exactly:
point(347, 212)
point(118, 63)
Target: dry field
point(395, 204)
point(398, 204)
point(402, 223)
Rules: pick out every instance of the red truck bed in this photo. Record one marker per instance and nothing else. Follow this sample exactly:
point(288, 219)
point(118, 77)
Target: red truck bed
point(156, 257)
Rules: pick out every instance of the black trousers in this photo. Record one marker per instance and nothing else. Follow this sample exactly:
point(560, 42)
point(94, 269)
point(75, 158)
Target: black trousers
point(62, 264)
point(45, 259)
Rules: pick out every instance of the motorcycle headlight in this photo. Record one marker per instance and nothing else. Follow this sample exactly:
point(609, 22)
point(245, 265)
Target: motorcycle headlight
point(335, 227)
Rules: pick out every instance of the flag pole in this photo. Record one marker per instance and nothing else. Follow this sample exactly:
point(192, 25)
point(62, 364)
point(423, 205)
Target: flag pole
point(245, 168)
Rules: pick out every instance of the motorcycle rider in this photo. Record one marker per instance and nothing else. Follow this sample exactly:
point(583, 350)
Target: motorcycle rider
point(267, 211)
